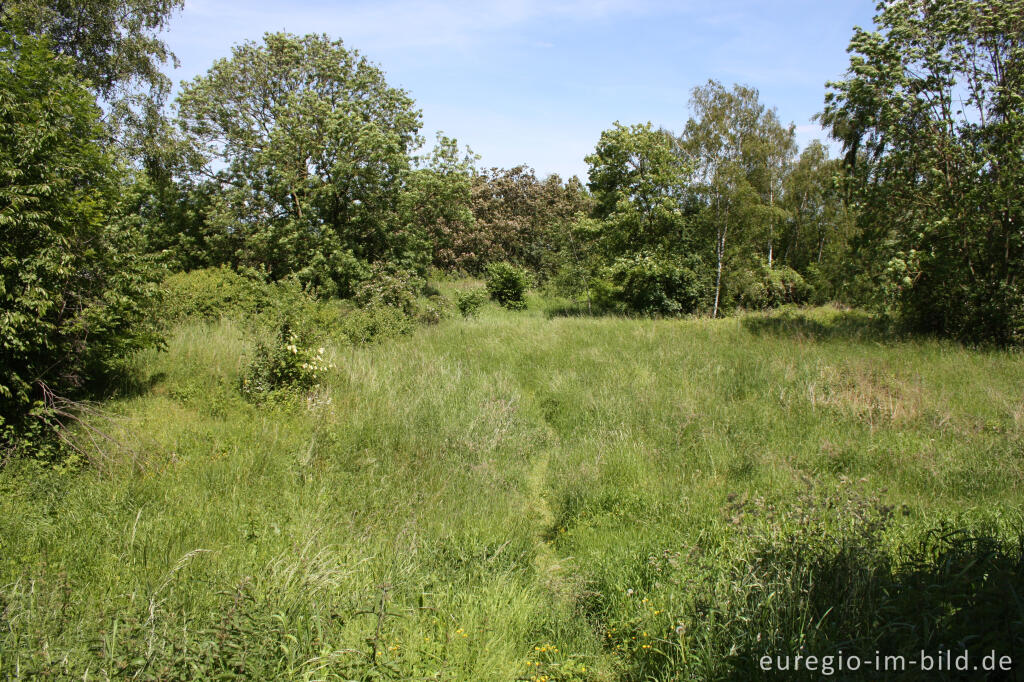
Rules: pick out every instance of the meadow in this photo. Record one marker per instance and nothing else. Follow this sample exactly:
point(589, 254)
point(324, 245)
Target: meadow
point(528, 495)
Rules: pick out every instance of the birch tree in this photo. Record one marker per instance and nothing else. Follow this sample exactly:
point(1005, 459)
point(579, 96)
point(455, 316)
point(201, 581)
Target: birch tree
point(725, 141)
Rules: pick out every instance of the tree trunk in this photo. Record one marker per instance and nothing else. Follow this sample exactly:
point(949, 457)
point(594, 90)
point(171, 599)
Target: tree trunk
point(718, 275)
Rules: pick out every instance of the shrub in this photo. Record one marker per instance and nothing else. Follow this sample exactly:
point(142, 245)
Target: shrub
point(75, 300)
point(507, 285)
point(654, 285)
point(759, 288)
point(388, 286)
point(990, 312)
point(365, 325)
point(433, 310)
point(211, 293)
point(284, 367)
point(470, 302)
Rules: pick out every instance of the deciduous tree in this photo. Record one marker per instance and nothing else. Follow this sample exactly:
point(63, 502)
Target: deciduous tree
point(311, 148)
point(931, 116)
point(638, 177)
point(74, 295)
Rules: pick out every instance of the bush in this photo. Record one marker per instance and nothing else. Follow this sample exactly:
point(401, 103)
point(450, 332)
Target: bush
point(75, 298)
point(366, 325)
point(470, 302)
point(990, 312)
point(507, 285)
point(654, 285)
point(433, 310)
point(759, 288)
point(284, 367)
point(215, 292)
point(393, 287)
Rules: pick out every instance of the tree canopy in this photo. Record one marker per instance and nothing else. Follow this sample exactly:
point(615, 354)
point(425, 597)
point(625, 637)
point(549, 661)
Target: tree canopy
point(741, 152)
point(638, 176)
point(311, 149)
point(112, 44)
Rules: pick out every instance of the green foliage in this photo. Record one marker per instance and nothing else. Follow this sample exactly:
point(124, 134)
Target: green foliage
point(387, 286)
point(507, 284)
point(114, 47)
point(826, 559)
point(758, 288)
point(284, 367)
point(655, 285)
point(470, 302)
point(742, 152)
point(433, 310)
point(437, 202)
point(112, 43)
point(932, 122)
point(76, 298)
point(315, 147)
point(727, 189)
point(821, 223)
point(375, 323)
point(390, 308)
point(637, 175)
point(214, 292)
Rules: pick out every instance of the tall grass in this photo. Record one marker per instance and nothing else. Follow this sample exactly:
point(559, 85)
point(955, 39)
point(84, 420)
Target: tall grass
point(519, 496)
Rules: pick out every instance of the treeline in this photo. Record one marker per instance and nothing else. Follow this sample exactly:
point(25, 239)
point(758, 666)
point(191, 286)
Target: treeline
point(294, 161)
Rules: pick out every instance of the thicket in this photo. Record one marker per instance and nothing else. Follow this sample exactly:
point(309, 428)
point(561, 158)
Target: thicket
point(470, 302)
point(77, 298)
point(314, 146)
point(654, 284)
point(931, 117)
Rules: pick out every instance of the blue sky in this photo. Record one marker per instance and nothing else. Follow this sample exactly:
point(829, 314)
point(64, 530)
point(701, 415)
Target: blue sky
point(535, 82)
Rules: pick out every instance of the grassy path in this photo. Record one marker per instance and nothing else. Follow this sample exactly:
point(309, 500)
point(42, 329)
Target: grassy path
point(556, 498)
point(548, 564)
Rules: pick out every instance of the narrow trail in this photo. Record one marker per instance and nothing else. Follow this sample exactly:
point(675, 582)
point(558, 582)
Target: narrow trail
point(545, 560)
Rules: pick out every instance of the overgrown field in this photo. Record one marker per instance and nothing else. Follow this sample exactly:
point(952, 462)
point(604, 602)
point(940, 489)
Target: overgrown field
point(526, 496)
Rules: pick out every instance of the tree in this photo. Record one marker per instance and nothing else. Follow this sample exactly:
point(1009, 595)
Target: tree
point(637, 177)
point(646, 264)
point(438, 203)
point(113, 44)
point(820, 223)
point(563, 204)
point(739, 150)
point(115, 47)
point(315, 152)
point(507, 207)
point(931, 117)
point(74, 295)
point(776, 147)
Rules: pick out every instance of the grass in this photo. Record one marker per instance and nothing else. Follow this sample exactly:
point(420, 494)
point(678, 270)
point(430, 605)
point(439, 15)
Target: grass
point(522, 496)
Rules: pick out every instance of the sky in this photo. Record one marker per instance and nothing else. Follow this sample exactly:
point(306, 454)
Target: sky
point(534, 81)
